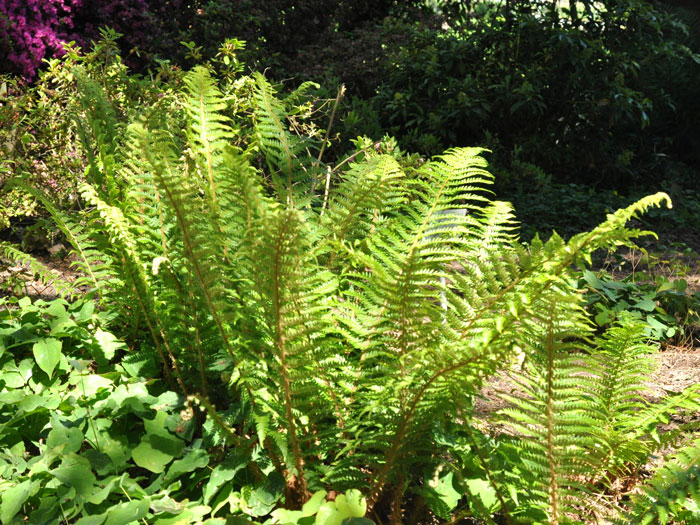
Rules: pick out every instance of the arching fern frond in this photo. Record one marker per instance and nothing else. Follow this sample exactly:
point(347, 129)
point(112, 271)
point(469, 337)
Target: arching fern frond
point(672, 493)
point(290, 170)
point(39, 271)
point(94, 265)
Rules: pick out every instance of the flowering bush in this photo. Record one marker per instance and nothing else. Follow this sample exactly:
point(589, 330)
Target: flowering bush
point(32, 30)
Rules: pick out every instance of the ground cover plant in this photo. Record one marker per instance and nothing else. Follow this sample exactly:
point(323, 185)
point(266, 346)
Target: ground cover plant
point(306, 339)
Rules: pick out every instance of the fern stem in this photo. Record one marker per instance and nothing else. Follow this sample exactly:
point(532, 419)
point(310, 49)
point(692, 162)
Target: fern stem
point(286, 383)
point(553, 486)
point(203, 401)
point(326, 190)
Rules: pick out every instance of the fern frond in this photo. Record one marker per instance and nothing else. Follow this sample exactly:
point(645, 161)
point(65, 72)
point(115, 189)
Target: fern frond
point(98, 130)
point(366, 193)
point(198, 238)
point(550, 413)
point(620, 364)
point(209, 129)
point(137, 278)
point(293, 294)
point(290, 174)
point(94, 265)
point(612, 232)
point(39, 270)
point(672, 493)
point(645, 420)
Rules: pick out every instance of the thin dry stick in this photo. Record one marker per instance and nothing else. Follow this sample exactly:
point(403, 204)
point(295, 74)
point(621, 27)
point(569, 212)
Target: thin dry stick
point(338, 99)
point(327, 190)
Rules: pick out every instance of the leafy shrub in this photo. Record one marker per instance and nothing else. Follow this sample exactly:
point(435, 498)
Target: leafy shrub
point(586, 100)
point(34, 30)
point(40, 142)
point(342, 321)
point(665, 306)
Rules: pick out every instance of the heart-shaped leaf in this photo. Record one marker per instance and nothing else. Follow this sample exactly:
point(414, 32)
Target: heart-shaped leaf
point(47, 353)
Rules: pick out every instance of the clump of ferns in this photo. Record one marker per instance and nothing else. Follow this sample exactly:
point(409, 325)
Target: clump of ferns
point(342, 317)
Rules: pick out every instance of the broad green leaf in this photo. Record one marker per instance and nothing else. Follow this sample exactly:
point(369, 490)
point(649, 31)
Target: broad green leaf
point(89, 385)
point(13, 499)
point(64, 440)
point(166, 504)
point(98, 519)
point(101, 495)
point(47, 353)
point(356, 502)
point(222, 473)
point(30, 402)
point(328, 515)
point(593, 280)
point(147, 456)
point(76, 472)
point(265, 495)
point(116, 448)
point(157, 425)
point(195, 459)
point(441, 496)
point(126, 513)
point(192, 515)
point(647, 304)
point(311, 507)
point(142, 364)
point(12, 376)
point(86, 311)
point(108, 344)
point(484, 491)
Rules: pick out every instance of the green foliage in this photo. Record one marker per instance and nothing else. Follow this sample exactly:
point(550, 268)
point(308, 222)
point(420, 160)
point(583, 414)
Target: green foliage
point(88, 438)
point(41, 142)
point(665, 306)
point(673, 492)
point(334, 324)
point(591, 99)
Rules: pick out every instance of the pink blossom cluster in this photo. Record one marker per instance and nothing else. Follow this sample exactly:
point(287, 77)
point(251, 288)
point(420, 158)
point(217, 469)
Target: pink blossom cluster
point(31, 30)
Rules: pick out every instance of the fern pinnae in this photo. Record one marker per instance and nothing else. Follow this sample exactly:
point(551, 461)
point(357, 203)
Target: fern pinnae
point(281, 148)
point(195, 245)
point(117, 227)
point(96, 271)
point(209, 130)
point(674, 490)
point(63, 288)
point(365, 190)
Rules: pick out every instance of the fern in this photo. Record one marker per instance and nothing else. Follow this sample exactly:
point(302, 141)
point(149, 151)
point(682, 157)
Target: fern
point(673, 491)
point(91, 261)
point(98, 130)
point(332, 341)
point(39, 270)
point(291, 171)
